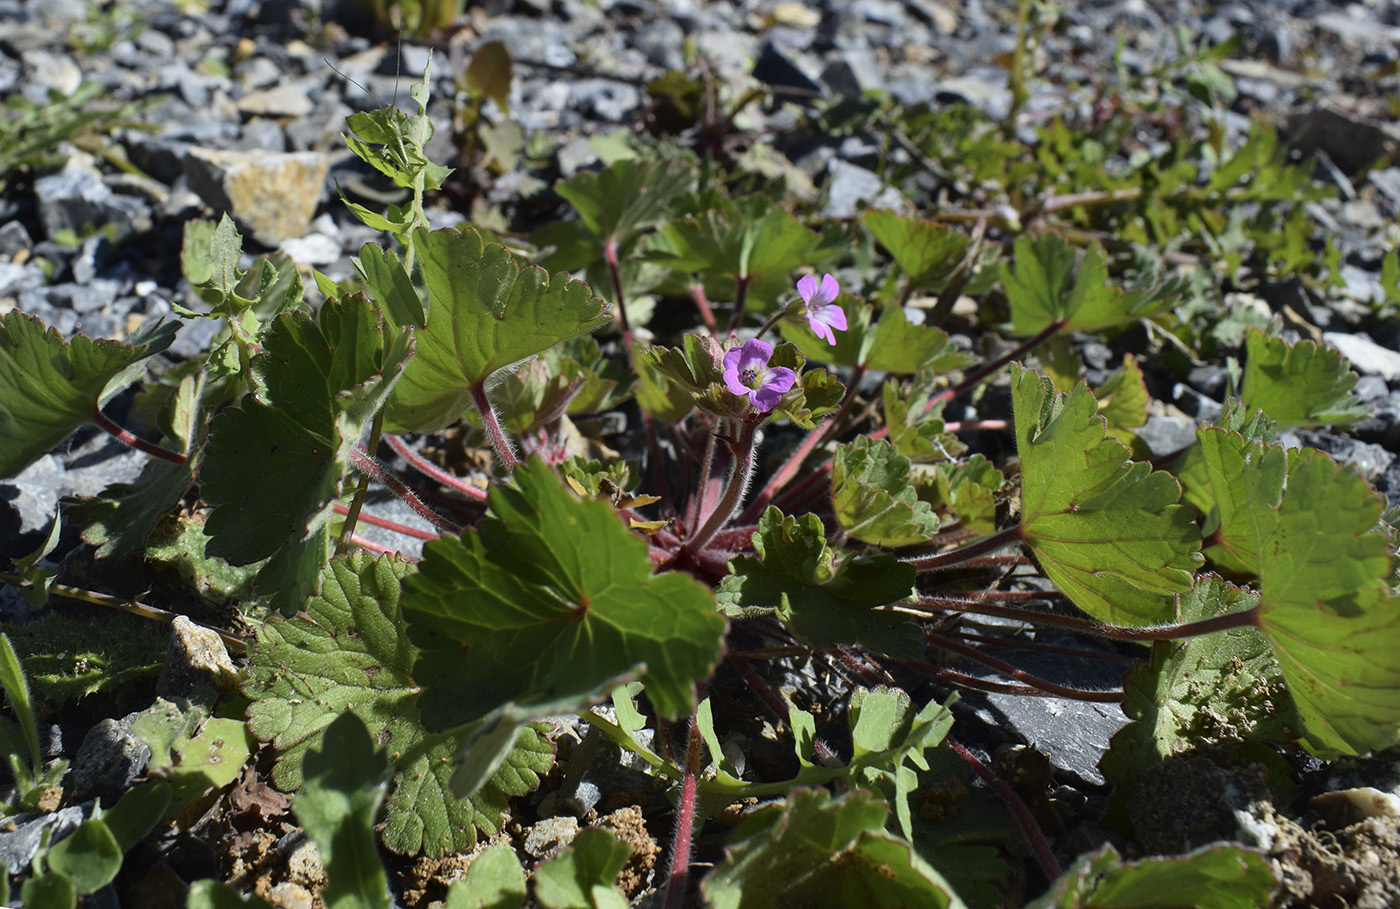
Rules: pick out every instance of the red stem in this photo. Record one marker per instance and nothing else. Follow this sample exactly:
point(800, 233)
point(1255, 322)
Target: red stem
point(615, 272)
point(702, 303)
point(960, 425)
point(685, 821)
point(1029, 827)
point(733, 493)
point(998, 540)
point(429, 469)
point(498, 438)
point(1042, 686)
point(1247, 618)
point(362, 461)
point(387, 524)
point(126, 438)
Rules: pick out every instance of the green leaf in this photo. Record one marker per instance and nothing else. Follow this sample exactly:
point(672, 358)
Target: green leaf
point(1299, 384)
point(121, 520)
point(570, 880)
point(388, 285)
point(1044, 287)
point(494, 880)
point(274, 465)
point(1217, 690)
point(753, 243)
point(90, 856)
point(212, 894)
point(571, 377)
point(17, 694)
point(1123, 401)
point(49, 387)
point(1108, 532)
point(35, 579)
point(819, 852)
point(872, 498)
point(137, 813)
point(485, 312)
point(564, 581)
point(927, 251)
point(344, 784)
point(888, 736)
point(49, 890)
point(350, 652)
point(614, 204)
point(827, 599)
point(1219, 875)
point(967, 489)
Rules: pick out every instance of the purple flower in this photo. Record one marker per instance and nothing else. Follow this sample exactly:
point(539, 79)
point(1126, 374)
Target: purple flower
point(822, 312)
point(746, 372)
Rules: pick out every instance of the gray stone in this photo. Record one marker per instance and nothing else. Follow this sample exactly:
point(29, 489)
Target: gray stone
point(260, 134)
point(549, 836)
point(285, 100)
point(196, 658)
point(1166, 434)
point(604, 99)
point(17, 278)
point(853, 74)
point(109, 761)
point(45, 72)
point(14, 239)
point(1366, 356)
point(852, 188)
point(19, 842)
point(77, 200)
point(1352, 142)
point(313, 249)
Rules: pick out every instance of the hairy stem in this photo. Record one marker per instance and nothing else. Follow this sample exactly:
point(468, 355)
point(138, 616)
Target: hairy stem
point(615, 272)
point(998, 540)
point(386, 524)
point(1042, 686)
point(363, 461)
point(1029, 827)
point(429, 469)
point(499, 441)
point(702, 303)
point(685, 821)
point(733, 493)
point(141, 445)
point(1245, 618)
point(352, 514)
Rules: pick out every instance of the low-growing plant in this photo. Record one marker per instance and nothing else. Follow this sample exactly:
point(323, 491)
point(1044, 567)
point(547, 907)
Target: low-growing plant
point(772, 503)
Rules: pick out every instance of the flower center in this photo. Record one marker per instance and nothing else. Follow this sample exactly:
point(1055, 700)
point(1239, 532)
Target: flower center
point(748, 377)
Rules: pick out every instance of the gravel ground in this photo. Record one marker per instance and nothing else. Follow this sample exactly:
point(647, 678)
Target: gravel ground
point(263, 90)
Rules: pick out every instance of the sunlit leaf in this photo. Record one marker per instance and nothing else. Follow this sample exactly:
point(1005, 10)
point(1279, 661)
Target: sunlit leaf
point(828, 598)
point(1107, 531)
point(872, 497)
point(1219, 875)
point(1301, 384)
point(563, 580)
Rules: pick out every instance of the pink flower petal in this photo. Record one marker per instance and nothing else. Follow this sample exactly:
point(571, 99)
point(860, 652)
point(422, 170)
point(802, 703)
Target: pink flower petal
point(806, 287)
point(830, 289)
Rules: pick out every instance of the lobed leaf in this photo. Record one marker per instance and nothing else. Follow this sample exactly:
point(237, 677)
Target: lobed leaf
point(927, 251)
point(1108, 532)
point(872, 497)
point(274, 465)
point(1045, 287)
point(350, 652)
point(813, 850)
point(563, 580)
point(1301, 384)
point(49, 387)
point(485, 313)
point(828, 600)
point(591, 863)
point(893, 344)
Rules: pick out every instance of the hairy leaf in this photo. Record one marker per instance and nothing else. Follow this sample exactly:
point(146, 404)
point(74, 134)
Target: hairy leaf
point(562, 580)
point(813, 850)
point(829, 600)
point(873, 499)
point(274, 464)
point(1299, 384)
point(884, 723)
point(1045, 287)
point(49, 387)
point(1107, 531)
point(572, 879)
point(485, 312)
point(494, 880)
point(350, 651)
